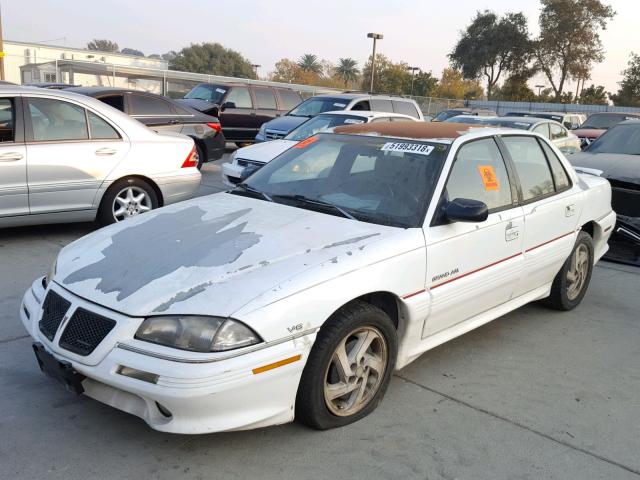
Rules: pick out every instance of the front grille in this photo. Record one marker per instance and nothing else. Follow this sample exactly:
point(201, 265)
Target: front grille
point(85, 331)
point(625, 201)
point(53, 311)
point(274, 135)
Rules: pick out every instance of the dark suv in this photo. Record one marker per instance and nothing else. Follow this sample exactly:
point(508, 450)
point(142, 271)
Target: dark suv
point(164, 114)
point(241, 108)
point(331, 102)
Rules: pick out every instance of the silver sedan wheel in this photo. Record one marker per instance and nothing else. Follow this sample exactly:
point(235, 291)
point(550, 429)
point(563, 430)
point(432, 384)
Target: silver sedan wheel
point(355, 372)
point(129, 202)
point(578, 272)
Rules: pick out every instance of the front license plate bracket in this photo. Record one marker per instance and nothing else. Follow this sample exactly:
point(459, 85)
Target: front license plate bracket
point(59, 370)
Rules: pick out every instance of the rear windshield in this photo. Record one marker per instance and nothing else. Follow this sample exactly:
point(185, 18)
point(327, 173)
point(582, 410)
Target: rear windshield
point(604, 121)
point(322, 123)
point(209, 93)
point(315, 105)
point(622, 139)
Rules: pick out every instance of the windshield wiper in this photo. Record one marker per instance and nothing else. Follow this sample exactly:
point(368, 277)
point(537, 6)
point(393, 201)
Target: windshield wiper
point(248, 188)
point(313, 201)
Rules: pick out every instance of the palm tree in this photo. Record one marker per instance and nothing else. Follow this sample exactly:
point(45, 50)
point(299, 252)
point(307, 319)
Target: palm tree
point(309, 63)
point(347, 70)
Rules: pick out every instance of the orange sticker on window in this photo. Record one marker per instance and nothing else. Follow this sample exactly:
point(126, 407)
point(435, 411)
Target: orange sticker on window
point(489, 179)
point(306, 142)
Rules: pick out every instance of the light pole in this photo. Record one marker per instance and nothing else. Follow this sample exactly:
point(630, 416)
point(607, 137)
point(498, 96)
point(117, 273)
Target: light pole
point(539, 87)
point(375, 36)
point(413, 76)
point(255, 68)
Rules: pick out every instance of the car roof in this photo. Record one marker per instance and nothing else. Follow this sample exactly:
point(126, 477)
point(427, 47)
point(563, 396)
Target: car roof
point(413, 130)
point(91, 91)
point(617, 114)
point(356, 95)
point(366, 114)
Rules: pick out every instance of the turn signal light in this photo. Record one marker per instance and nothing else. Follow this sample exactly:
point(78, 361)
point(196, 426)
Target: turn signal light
point(215, 126)
point(191, 160)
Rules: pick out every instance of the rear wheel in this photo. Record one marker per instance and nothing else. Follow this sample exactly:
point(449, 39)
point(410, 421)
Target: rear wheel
point(571, 283)
point(242, 144)
point(126, 198)
point(199, 156)
point(349, 367)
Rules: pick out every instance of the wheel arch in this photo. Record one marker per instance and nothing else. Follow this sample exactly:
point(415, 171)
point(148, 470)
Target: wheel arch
point(146, 179)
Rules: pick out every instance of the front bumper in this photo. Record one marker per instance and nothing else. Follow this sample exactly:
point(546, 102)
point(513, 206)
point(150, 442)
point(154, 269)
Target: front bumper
point(232, 174)
point(190, 394)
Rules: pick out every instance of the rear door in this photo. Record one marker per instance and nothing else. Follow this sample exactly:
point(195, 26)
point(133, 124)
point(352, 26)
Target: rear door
point(288, 100)
point(237, 115)
point(71, 151)
point(473, 267)
point(14, 194)
point(266, 106)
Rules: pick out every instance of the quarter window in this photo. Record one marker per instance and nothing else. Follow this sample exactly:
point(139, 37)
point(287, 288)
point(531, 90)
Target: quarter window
point(406, 108)
point(265, 99)
point(53, 120)
point(289, 99)
point(479, 173)
point(100, 129)
point(557, 131)
point(542, 129)
point(531, 166)
point(7, 120)
point(239, 97)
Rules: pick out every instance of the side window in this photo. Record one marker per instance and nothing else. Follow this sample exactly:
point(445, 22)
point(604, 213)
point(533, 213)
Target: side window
point(406, 108)
point(560, 176)
point(479, 173)
point(362, 106)
point(381, 105)
point(542, 129)
point(531, 166)
point(116, 101)
point(265, 98)
point(239, 97)
point(53, 120)
point(381, 120)
point(288, 99)
point(147, 105)
point(100, 129)
point(7, 120)
point(557, 131)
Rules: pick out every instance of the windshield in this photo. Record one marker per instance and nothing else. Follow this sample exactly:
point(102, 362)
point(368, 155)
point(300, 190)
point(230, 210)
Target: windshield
point(622, 139)
point(322, 124)
point(209, 93)
point(491, 122)
point(373, 179)
point(315, 105)
point(604, 121)
point(445, 114)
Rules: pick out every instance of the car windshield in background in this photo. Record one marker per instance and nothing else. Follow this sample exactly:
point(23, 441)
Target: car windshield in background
point(313, 106)
point(209, 93)
point(603, 121)
point(322, 124)
point(621, 139)
point(445, 114)
point(379, 180)
point(492, 122)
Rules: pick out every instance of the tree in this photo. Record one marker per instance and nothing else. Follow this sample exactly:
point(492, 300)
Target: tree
point(491, 46)
point(424, 84)
point(569, 42)
point(594, 96)
point(629, 93)
point(132, 51)
point(286, 71)
point(347, 70)
point(102, 45)
point(453, 85)
point(309, 63)
point(212, 58)
point(390, 77)
point(516, 88)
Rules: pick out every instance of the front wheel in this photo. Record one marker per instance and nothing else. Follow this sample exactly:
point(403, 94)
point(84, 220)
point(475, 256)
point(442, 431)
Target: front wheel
point(571, 283)
point(349, 367)
point(126, 198)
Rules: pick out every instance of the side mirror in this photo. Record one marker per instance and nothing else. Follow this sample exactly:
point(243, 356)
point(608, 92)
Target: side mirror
point(466, 210)
point(226, 105)
point(248, 171)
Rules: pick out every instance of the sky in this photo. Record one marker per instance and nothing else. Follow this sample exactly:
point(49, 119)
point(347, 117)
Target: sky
point(420, 32)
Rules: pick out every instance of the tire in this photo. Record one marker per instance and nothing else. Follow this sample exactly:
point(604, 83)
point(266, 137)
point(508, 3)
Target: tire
point(354, 323)
point(242, 144)
point(200, 155)
point(121, 188)
point(565, 295)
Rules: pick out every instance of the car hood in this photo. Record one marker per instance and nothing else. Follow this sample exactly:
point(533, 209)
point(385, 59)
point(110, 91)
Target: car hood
point(588, 132)
point(215, 254)
point(265, 151)
point(199, 105)
point(625, 168)
point(285, 124)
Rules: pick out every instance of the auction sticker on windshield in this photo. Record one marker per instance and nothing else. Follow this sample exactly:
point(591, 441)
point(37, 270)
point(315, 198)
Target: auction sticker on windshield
point(408, 148)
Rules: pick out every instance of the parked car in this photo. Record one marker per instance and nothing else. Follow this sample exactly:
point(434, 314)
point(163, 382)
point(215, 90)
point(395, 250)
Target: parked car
point(569, 120)
point(616, 156)
point(333, 265)
point(353, 101)
point(163, 114)
point(562, 138)
point(51, 85)
point(598, 123)
point(247, 160)
point(67, 158)
point(455, 112)
point(241, 108)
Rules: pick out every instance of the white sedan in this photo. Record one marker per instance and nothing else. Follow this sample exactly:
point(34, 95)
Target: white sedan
point(247, 160)
point(66, 157)
point(298, 293)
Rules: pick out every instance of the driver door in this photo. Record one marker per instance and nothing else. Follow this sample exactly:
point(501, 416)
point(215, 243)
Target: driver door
point(473, 267)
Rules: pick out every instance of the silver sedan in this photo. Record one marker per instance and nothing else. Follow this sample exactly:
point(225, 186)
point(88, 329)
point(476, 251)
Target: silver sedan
point(66, 157)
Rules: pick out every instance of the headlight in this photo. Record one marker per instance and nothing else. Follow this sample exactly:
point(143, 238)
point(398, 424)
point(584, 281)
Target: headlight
point(197, 334)
point(51, 273)
point(234, 157)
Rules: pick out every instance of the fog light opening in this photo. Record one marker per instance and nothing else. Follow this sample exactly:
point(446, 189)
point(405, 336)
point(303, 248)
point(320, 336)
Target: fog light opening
point(164, 411)
point(137, 374)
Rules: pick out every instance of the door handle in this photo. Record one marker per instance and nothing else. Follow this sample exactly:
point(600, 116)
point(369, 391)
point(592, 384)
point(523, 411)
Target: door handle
point(10, 157)
point(104, 152)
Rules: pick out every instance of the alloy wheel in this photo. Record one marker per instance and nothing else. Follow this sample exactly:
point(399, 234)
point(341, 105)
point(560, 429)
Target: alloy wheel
point(129, 202)
point(578, 272)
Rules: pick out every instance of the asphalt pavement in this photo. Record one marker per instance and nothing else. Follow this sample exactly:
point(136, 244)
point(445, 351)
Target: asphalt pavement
point(536, 394)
